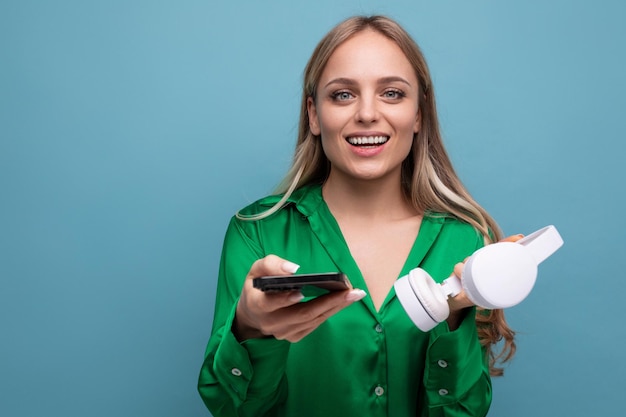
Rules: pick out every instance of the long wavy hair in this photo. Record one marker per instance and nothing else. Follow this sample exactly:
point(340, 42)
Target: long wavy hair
point(428, 179)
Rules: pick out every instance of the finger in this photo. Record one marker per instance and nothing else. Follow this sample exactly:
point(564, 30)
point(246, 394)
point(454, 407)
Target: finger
point(271, 301)
point(459, 302)
point(277, 300)
point(458, 269)
point(296, 332)
point(512, 238)
point(310, 315)
point(333, 301)
point(272, 265)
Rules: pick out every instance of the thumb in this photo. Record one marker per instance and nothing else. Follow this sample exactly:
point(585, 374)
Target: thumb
point(272, 265)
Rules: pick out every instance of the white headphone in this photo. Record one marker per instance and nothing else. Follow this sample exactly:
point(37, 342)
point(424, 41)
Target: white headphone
point(500, 275)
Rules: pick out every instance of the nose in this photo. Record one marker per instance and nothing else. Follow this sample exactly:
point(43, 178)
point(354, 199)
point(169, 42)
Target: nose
point(367, 110)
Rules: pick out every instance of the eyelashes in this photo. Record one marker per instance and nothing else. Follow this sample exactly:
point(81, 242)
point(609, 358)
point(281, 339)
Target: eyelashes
point(392, 94)
point(341, 95)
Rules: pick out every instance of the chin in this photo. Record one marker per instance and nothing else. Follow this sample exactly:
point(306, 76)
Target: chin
point(371, 175)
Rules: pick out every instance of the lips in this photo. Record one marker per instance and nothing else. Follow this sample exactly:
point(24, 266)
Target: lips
point(367, 140)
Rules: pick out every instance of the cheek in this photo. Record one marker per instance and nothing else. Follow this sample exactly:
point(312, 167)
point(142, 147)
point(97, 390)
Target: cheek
point(331, 125)
point(406, 146)
point(407, 118)
point(329, 142)
point(406, 128)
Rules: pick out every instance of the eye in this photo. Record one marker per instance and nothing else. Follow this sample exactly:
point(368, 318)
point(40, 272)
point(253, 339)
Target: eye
point(393, 94)
point(341, 95)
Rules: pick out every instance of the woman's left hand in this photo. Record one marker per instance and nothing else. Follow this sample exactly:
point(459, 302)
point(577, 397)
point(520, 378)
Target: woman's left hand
point(460, 302)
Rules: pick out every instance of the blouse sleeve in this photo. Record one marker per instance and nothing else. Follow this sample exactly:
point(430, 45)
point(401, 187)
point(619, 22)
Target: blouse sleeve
point(248, 378)
point(456, 378)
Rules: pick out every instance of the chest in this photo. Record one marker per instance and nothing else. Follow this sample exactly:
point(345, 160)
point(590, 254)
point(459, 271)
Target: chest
point(380, 251)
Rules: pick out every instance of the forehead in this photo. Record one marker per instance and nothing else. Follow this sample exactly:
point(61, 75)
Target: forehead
point(368, 55)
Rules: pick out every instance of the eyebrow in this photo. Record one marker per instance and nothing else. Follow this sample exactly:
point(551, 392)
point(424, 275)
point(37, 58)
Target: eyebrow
point(384, 80)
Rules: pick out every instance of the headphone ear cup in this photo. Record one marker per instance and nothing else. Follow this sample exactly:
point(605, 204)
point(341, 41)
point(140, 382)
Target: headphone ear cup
point(499, 275)
point(430, 296)
point(422, 299)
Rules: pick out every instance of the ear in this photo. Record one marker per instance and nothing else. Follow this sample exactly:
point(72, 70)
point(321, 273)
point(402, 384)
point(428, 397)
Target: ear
point(314, 123)
point(418, 121)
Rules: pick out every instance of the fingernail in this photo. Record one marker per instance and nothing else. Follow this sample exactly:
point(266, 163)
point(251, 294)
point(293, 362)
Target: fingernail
point(290, 267)
point(296, 297)
point(355, 295)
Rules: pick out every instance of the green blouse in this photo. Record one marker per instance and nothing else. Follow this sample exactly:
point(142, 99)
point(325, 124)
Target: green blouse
point(360, 362)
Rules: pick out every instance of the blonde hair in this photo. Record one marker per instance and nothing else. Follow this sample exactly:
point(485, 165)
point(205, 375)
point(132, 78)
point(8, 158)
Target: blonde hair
point(428, 178)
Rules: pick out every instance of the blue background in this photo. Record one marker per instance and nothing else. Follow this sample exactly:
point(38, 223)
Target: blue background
point(130, 131)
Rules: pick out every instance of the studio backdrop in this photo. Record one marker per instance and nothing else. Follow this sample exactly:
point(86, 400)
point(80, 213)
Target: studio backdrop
point(131, 131)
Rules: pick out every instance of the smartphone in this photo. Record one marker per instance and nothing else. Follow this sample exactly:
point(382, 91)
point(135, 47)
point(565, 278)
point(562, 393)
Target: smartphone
point(329, 281)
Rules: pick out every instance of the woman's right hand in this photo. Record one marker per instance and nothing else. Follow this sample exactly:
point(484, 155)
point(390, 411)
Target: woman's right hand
point(281, 314)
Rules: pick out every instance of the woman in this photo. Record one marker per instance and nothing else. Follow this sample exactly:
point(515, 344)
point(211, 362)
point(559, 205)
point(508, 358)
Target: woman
point(371, 193)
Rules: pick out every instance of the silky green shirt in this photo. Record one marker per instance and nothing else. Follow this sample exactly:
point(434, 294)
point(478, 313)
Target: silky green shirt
point(360, 362)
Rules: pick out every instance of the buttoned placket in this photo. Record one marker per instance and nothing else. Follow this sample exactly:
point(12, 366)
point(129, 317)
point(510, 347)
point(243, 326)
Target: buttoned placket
point(380, 385)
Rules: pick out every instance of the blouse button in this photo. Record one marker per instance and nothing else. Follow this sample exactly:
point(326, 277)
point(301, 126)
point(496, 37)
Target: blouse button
point(443, 392)
point(378, 328)
point(442, 363)
point(235, 371)
point(379, 390)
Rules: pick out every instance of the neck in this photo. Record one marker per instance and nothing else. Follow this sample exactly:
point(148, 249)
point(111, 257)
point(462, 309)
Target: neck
point(381, 198)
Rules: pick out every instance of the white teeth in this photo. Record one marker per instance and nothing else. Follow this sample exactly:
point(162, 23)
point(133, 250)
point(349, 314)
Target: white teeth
point(368, 140)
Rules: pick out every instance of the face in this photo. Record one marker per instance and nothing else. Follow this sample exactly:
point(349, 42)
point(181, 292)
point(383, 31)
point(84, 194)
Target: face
point(366, 108)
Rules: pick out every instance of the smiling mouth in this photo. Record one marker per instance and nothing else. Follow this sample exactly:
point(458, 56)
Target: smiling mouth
point(367, 140)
